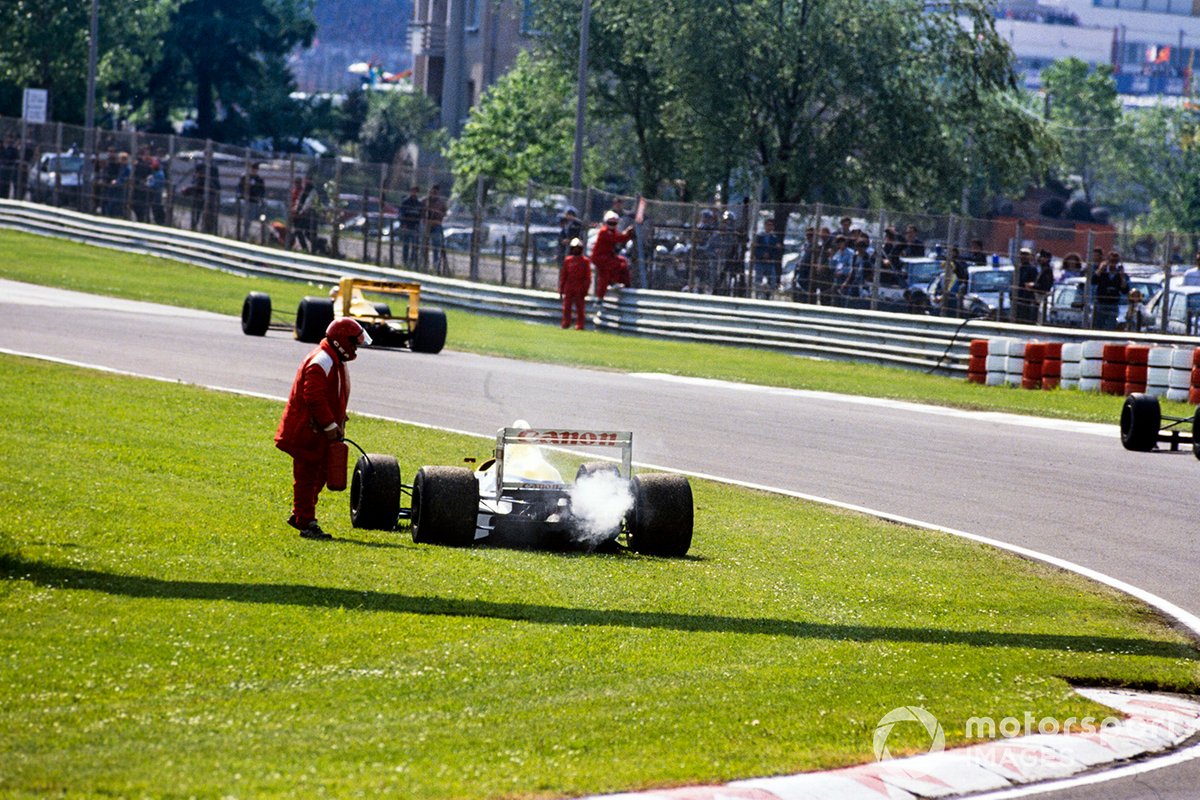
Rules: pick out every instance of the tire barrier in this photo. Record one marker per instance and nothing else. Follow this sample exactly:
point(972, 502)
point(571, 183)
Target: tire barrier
point(1158, 371)
point(1115, 368)
point(1052, 366)
point(1179, 380)
point(1112, 369)
point(977, 362)
point(1194, 392)
point(1035, 357)
point(1137, 357)
point(1014, 365)
point(1072, 353)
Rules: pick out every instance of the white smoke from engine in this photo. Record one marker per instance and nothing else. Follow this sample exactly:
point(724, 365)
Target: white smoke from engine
point(599, 502)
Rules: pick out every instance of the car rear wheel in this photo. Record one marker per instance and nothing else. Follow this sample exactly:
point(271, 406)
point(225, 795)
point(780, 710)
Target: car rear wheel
point(312, 318)
point(429, 336)
point(445, 506)
point(375, 492)
point(1196, 433)
point(660, 523)
point(1140, 421)
point(256, 314)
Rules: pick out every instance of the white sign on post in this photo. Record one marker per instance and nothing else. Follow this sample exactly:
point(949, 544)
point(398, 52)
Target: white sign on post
point(35, 105)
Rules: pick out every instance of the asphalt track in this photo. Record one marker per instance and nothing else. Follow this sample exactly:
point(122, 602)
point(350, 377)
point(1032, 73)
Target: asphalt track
point(1065, 489)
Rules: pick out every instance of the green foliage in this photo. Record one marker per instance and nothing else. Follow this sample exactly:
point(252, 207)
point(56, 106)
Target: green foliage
point(46, 46)
point(1164, 158)
point(823, 100)
point(162, 627)
point(1086, 120)
point(227, 52)
point(393, 121)
point(523, 128)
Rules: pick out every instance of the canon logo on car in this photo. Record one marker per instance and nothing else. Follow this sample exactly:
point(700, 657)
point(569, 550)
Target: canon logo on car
point(569, 438)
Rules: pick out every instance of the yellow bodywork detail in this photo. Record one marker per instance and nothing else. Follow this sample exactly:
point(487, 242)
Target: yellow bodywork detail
point(350, 302)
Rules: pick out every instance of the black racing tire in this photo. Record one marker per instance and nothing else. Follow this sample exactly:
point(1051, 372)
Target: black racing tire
point(1196, 433)
point(660, 523)
point(429, 336)
point(445, 506)
point(312, 318)
point(375, 492)
point(383, 309)
point(256, 314)
point(1141, 418)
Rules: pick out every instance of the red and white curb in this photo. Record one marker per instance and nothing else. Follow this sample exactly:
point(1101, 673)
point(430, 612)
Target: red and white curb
point(1152, 723)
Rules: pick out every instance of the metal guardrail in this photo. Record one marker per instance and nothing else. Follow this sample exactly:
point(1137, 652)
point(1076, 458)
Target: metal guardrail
point(904, 340)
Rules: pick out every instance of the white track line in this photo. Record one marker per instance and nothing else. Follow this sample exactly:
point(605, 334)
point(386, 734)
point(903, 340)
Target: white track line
point(1184, 618)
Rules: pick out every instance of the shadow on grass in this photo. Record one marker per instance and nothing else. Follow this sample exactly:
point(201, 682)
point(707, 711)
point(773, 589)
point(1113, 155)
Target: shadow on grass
point(14, 567)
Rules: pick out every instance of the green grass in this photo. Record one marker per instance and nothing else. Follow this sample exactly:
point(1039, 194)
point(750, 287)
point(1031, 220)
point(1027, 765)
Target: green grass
point(163, 633)
point(59, 263)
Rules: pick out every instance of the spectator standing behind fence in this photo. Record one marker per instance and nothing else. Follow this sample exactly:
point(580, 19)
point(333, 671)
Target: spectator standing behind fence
point(434, 212)
point(10, 155)
point(822, 269)
point(156, 182)
point(952, 285)
point(802, 273)
point(1025, 303)
point(251, 189)
point(976, 254)
point(574, 279)
point(850, 286)
point(1111, 285)
point(140, 192)
point(913, 245)
point(111, 200)
point(569, 228)
point(304, 215)
point(1045, 279)
point(1136, 318)
point(410, 226)
point(767, 256)
point(841, 262)
point(724, 248)
point(1072, 267)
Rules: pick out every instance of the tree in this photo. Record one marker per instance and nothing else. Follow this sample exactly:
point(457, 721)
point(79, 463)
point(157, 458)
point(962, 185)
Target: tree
point(395, 120)
point(837, 101)
point(1086, 119)
point(1164, 146)
point(226, 51)
point(46, 46)
point(522, 129)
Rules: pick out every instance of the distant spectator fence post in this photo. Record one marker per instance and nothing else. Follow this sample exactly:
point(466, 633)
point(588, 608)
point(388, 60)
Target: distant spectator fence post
point(525, 234)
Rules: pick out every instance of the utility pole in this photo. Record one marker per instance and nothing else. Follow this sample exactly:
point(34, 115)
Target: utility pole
point(585, 21)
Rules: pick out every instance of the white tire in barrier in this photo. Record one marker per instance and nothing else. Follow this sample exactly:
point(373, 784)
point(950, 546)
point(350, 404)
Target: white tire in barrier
point(1182, 358)
point(1091, 368)
point(1016, 348)
point(1068, 383)
point(1070, 371)
point(999, 346)
point(1089, 384)
point(1072, 351)
point(1177, 395)
point(1160, 357)
point(1158, 376)
point(1180, 379)
point(1093, 349)
point(996, 363)
point(1156, 391)
point(995, 379)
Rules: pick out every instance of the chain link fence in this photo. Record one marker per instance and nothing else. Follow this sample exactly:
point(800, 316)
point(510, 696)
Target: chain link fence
point(418, 219)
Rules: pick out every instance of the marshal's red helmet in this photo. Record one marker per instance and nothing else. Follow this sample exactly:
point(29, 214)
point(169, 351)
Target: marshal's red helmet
point(346, 335)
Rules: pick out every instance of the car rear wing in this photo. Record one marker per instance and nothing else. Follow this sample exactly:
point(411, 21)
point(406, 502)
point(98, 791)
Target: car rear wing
point(557, 437)
point(347, 285)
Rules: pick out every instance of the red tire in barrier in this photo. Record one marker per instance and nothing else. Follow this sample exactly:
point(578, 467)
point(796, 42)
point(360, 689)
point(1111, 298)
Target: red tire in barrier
point(1112, 371)
point(1195, 377)
point(1051, 368)
point(1194, 396)
point(1050, 381)
point(1054, 350)
point(1035, 351)
point(1137, 354)
point(979, 347)
point(1031, 383)
point(1136, 373)
point(1112, 387)
point(976, 377)
point(1196, 357)
point(1114, 353)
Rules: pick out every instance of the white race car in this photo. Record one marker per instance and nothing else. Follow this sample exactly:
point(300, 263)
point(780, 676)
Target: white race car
point(518, 498)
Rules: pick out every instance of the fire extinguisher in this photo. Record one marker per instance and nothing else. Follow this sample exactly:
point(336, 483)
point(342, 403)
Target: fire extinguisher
point(339, 454)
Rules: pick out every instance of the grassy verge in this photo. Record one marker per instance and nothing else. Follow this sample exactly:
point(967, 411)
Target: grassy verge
point(163, 633)
point(74, 266)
